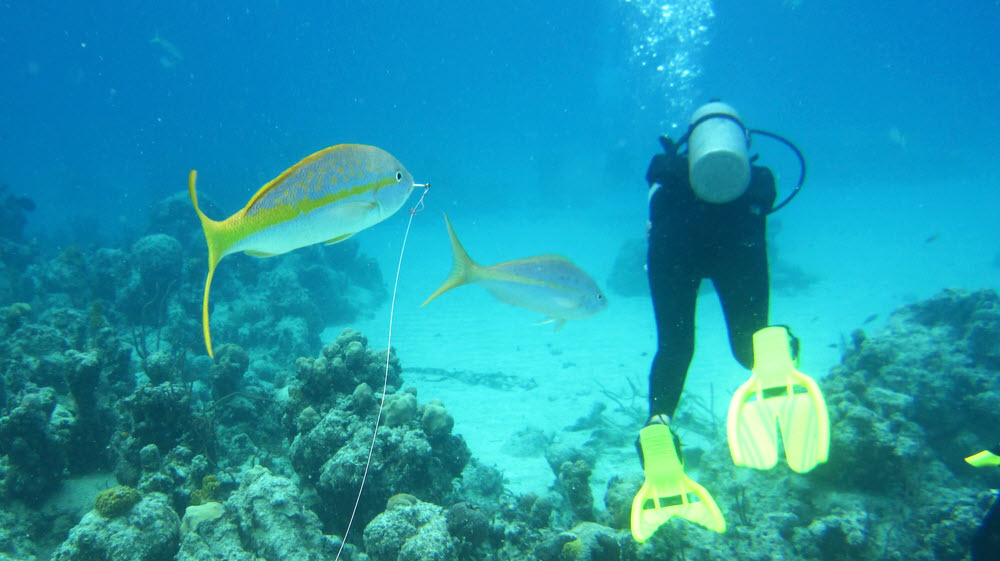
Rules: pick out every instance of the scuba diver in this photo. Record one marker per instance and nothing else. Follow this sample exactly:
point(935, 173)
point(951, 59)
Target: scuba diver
point(986, 541)
point(708, 208)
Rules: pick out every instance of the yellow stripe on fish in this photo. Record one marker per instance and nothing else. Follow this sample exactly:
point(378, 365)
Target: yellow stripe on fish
point(548, 284)
point(327, 197)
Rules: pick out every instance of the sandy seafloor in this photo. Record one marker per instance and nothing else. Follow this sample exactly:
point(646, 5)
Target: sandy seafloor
point(865, 268)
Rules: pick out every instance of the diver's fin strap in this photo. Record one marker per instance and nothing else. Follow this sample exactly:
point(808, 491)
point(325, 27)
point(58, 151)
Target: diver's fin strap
point(777, 397)
point(667, 491)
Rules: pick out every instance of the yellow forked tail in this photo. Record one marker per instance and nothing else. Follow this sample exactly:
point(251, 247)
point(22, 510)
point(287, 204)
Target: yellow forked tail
point(211, 228)
point(463, 269)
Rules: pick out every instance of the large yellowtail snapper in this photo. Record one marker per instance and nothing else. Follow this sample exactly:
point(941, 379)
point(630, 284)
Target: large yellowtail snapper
point(327, 197)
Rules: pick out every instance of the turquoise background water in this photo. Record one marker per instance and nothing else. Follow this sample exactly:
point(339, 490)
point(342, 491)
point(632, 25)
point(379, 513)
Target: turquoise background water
point(500, 105)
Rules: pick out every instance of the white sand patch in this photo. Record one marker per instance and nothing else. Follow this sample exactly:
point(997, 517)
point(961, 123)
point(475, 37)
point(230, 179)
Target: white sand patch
point(867, 264)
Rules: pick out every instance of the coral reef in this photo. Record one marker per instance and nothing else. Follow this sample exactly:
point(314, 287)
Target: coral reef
point(154, 269)
point(293, 298)
point(585, 542)
point(116, 501)
point(158, 415)
point(259, 454)
point(194, 515)
point(33, 446)
point(574, 483)
point(415, 531)
point(207, 492)
point(16, 254)
point(147, 533)
point(12, 213)
point(265, 518)
point(468, 522)
point(331, 413)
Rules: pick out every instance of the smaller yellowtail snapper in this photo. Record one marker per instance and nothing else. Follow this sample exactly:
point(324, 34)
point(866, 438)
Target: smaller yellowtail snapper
point(327, 197)
point(548, 284)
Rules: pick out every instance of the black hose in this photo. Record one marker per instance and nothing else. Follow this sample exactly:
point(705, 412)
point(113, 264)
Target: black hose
point(802, 163)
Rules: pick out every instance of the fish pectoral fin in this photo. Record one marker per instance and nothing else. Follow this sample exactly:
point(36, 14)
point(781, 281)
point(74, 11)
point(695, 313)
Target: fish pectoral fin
point(567, 303)
point(558, 321)
point(339, 239)
point(252, 253)
point(353, 212)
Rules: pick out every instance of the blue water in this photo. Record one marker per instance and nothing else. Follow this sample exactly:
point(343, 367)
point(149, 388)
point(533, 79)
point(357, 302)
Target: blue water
point(497, 104)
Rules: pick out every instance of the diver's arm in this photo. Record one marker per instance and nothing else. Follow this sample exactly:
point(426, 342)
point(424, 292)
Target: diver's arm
point(762, 192)
point(667, 167)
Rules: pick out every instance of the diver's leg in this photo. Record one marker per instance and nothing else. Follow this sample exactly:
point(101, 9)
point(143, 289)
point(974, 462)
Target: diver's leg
point(674, 288)
point(743, 285)
point(986, 542)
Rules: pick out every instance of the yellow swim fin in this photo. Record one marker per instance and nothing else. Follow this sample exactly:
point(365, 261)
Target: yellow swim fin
point(985, 458)
point(777, 396)
point(668, 492)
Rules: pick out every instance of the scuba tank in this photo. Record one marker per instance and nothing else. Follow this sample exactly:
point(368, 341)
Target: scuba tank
point(717, 150)
point(718, 164)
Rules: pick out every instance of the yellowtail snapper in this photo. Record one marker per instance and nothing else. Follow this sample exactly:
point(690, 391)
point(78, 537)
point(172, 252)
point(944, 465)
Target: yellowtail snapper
point(548, 284)
point(327, 197)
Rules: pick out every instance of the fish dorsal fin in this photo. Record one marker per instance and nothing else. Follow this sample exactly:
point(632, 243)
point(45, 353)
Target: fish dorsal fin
point(278, 181)
point(523, 260)
point(552, 257)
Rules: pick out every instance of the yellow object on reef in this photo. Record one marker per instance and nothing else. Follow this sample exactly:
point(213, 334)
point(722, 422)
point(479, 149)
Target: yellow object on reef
point(985, 458)
point(777, 396)
point(116, 501)
point(668, 491)
point(327, 197)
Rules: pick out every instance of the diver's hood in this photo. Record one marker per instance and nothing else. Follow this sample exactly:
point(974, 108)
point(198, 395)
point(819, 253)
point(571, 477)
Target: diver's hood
point(718, 164)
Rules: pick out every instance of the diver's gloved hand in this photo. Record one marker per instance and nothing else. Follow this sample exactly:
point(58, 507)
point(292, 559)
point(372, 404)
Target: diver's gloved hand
point(668, 166)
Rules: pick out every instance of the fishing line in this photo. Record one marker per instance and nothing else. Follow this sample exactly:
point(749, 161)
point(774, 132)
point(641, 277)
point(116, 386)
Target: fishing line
point(388, 355)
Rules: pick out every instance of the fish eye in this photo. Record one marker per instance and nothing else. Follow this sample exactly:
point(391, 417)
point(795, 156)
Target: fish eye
point(399, 176)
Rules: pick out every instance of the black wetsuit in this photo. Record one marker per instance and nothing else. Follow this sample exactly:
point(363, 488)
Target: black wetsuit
point(691, 240)
point(986, 542)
